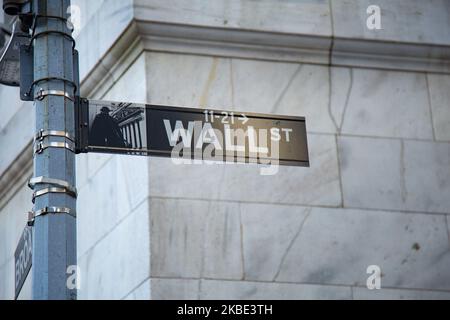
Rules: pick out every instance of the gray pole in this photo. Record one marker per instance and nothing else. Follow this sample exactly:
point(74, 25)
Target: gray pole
point(54, 247)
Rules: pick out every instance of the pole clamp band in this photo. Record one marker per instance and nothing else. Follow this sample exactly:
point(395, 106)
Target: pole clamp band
point(53, 190)
point(41, 146)
point(52, 133)
point(41, 94)
point(51, 181)
point(49, 210)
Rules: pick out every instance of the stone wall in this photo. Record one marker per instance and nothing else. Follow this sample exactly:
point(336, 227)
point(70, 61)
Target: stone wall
point(376, 191)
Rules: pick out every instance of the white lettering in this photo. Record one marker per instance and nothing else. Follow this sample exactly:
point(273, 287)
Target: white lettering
point(186, 135)
point(374, 280)
point(74, 278)
point(287, 132)
point(253, 142)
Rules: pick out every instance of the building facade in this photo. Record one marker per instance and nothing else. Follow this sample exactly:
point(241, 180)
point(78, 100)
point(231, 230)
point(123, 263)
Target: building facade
point(377, 108)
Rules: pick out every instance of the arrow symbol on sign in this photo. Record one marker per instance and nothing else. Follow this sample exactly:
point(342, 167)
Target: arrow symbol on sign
point(243, 118)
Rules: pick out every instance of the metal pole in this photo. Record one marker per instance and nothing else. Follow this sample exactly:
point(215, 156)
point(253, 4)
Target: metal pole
point(54, 247)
